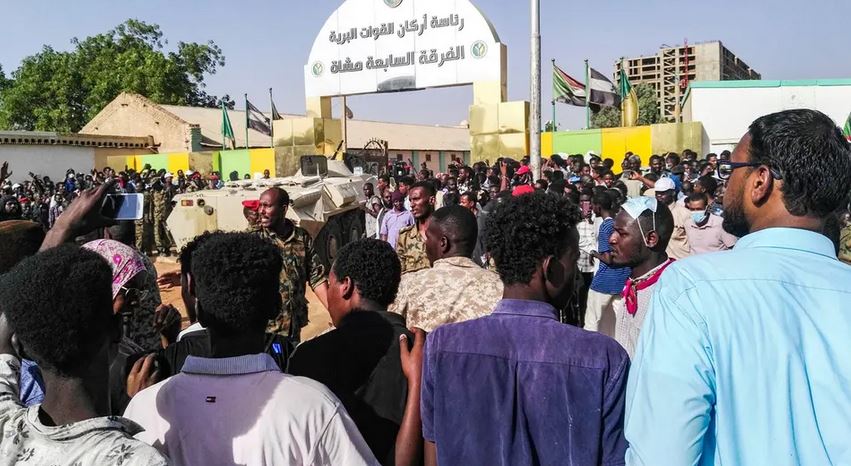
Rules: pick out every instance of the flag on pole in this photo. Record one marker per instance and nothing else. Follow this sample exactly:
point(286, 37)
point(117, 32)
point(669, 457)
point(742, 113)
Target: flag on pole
point(629, 101)
point(603, 92)
point(847, 130)
point(227, 129)
point(256, 120)
point(275, 114)
point(566, 89)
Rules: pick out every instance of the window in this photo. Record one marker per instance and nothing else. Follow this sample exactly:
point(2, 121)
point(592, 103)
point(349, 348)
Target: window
point(399, 157)
point(428, 157)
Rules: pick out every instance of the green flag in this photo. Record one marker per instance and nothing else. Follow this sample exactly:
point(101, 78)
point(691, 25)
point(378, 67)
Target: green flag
point(847, 130)
point(629, 101)
point(227, 129)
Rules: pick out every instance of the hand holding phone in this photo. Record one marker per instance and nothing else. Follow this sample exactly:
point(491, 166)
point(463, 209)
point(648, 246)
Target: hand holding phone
point(123, 206)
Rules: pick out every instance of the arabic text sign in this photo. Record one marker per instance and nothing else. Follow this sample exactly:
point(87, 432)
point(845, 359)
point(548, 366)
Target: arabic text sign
point(370, 46)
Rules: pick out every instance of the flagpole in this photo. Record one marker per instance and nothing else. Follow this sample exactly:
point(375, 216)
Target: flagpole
point(345, 125)
point(623, 97)
point(587, 95)
point(554, 101)
point(535, 91)
point(223, 125)
point(246, 121)
point(271, 121)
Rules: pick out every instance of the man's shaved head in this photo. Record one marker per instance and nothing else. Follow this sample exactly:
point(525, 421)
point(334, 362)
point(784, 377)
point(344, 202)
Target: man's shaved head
point(452, 232)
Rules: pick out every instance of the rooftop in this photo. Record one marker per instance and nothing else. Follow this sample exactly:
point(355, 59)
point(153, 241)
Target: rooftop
point(88, 140)
point(399, 136)
point(765, 83)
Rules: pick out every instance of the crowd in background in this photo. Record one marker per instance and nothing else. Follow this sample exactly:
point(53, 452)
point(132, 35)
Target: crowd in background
point(713, 303)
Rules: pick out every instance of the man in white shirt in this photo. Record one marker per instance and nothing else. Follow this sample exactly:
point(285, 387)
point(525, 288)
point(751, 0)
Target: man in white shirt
point(236, 407)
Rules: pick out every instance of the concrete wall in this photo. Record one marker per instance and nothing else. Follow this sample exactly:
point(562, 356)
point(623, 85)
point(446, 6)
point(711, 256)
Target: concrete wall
point(726, 113)
point(51, 160)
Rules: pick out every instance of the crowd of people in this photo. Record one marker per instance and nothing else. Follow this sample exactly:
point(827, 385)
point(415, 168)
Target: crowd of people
point(43, 200)
point(711, 293)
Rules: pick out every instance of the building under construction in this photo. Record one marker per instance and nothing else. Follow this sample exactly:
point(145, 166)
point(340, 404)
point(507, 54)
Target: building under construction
point(672, 69)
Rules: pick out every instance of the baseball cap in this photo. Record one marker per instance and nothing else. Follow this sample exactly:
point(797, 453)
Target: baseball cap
point(523, 170)
point(665, 184)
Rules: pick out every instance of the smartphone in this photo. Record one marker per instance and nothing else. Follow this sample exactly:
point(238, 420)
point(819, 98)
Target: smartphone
point(123, 206)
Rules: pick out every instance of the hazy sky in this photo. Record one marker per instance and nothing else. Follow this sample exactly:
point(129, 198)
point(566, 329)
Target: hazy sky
point(267, 42)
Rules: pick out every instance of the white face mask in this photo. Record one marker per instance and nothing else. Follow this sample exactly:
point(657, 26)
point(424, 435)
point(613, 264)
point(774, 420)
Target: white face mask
point(636, 206)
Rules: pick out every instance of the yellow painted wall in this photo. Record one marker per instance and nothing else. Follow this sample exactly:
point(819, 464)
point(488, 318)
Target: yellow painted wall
point(178, 161)
point(262, 159)
point(617, 141)
point(547, 144)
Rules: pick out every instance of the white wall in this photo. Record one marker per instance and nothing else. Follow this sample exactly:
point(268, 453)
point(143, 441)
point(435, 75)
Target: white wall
point(49, 160)
point(726, 113)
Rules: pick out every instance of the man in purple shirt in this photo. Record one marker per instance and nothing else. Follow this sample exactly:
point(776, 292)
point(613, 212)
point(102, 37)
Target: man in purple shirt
point(396, 219)
point(518, 386)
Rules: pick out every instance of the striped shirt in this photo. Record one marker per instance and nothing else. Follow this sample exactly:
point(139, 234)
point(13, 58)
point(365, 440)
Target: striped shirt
point(608, 280)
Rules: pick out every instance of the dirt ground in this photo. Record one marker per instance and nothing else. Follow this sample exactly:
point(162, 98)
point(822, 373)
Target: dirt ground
point(320, 320)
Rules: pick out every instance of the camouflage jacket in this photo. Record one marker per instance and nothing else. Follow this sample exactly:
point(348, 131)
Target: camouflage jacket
point(845, 245)
point(301, 266)
point(411, 250)
point(454, 290)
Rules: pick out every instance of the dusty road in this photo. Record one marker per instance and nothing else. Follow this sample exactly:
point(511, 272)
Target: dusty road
point(320, 321)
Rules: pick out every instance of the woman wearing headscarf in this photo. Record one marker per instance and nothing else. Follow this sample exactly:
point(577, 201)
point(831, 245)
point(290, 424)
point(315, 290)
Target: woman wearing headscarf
point(129, 276)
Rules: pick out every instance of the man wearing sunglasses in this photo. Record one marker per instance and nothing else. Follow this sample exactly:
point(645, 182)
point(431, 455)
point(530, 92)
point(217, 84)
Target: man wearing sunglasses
point(743, 358)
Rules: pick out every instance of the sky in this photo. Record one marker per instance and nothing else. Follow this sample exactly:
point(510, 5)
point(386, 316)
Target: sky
point(266, 43)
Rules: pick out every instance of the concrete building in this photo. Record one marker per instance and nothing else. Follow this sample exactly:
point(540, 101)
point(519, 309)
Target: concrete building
point(727, 108)
point(52, 154)
point(180, 129)
point(672, 69)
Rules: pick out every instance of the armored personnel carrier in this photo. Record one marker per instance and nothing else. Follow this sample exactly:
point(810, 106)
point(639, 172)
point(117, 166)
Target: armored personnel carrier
point(325, 199)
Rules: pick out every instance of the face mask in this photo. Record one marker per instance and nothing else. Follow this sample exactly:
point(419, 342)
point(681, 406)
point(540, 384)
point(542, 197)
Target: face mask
point(699, 217)
point(636, 206)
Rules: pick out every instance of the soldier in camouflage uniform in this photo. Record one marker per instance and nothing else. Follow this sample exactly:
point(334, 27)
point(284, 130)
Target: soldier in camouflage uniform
point(301, 266)
point(162, 196)
point(411, 243)
point(845, 239)
point(143, 226)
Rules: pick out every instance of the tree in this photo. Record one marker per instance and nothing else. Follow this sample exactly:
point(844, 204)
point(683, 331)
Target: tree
point(548, 126)
point(648, 110)
point(61, 91)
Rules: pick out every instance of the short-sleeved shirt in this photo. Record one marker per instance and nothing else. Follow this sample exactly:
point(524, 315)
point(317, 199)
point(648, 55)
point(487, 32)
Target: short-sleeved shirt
point(518, 387)
point(455, 289)
point(608, 280)
point(710, 237)
point(243, 410)
point(678, 247)
point(393, 222)
point(359, 362)
point(302, 265)
point(411, 250)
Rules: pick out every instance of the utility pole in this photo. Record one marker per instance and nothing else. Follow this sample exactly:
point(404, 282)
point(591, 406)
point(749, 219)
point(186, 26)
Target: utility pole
point(535, 91)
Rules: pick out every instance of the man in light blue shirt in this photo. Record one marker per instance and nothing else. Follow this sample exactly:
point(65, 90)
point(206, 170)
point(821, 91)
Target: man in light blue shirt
point(744, 358)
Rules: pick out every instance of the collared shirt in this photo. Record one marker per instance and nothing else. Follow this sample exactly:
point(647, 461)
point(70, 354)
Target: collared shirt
point(100, 440)
point(608, 280)
point(454, 290)
point(518, 387)
point(243, 410)
point(709, 237)
point(678, 246)
point(301, 266)
point(743, 358)
point(628, 326)
point(411, 249)
point(359, 362)
point(587, 243)
point(196, 327)
point(393, 222)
